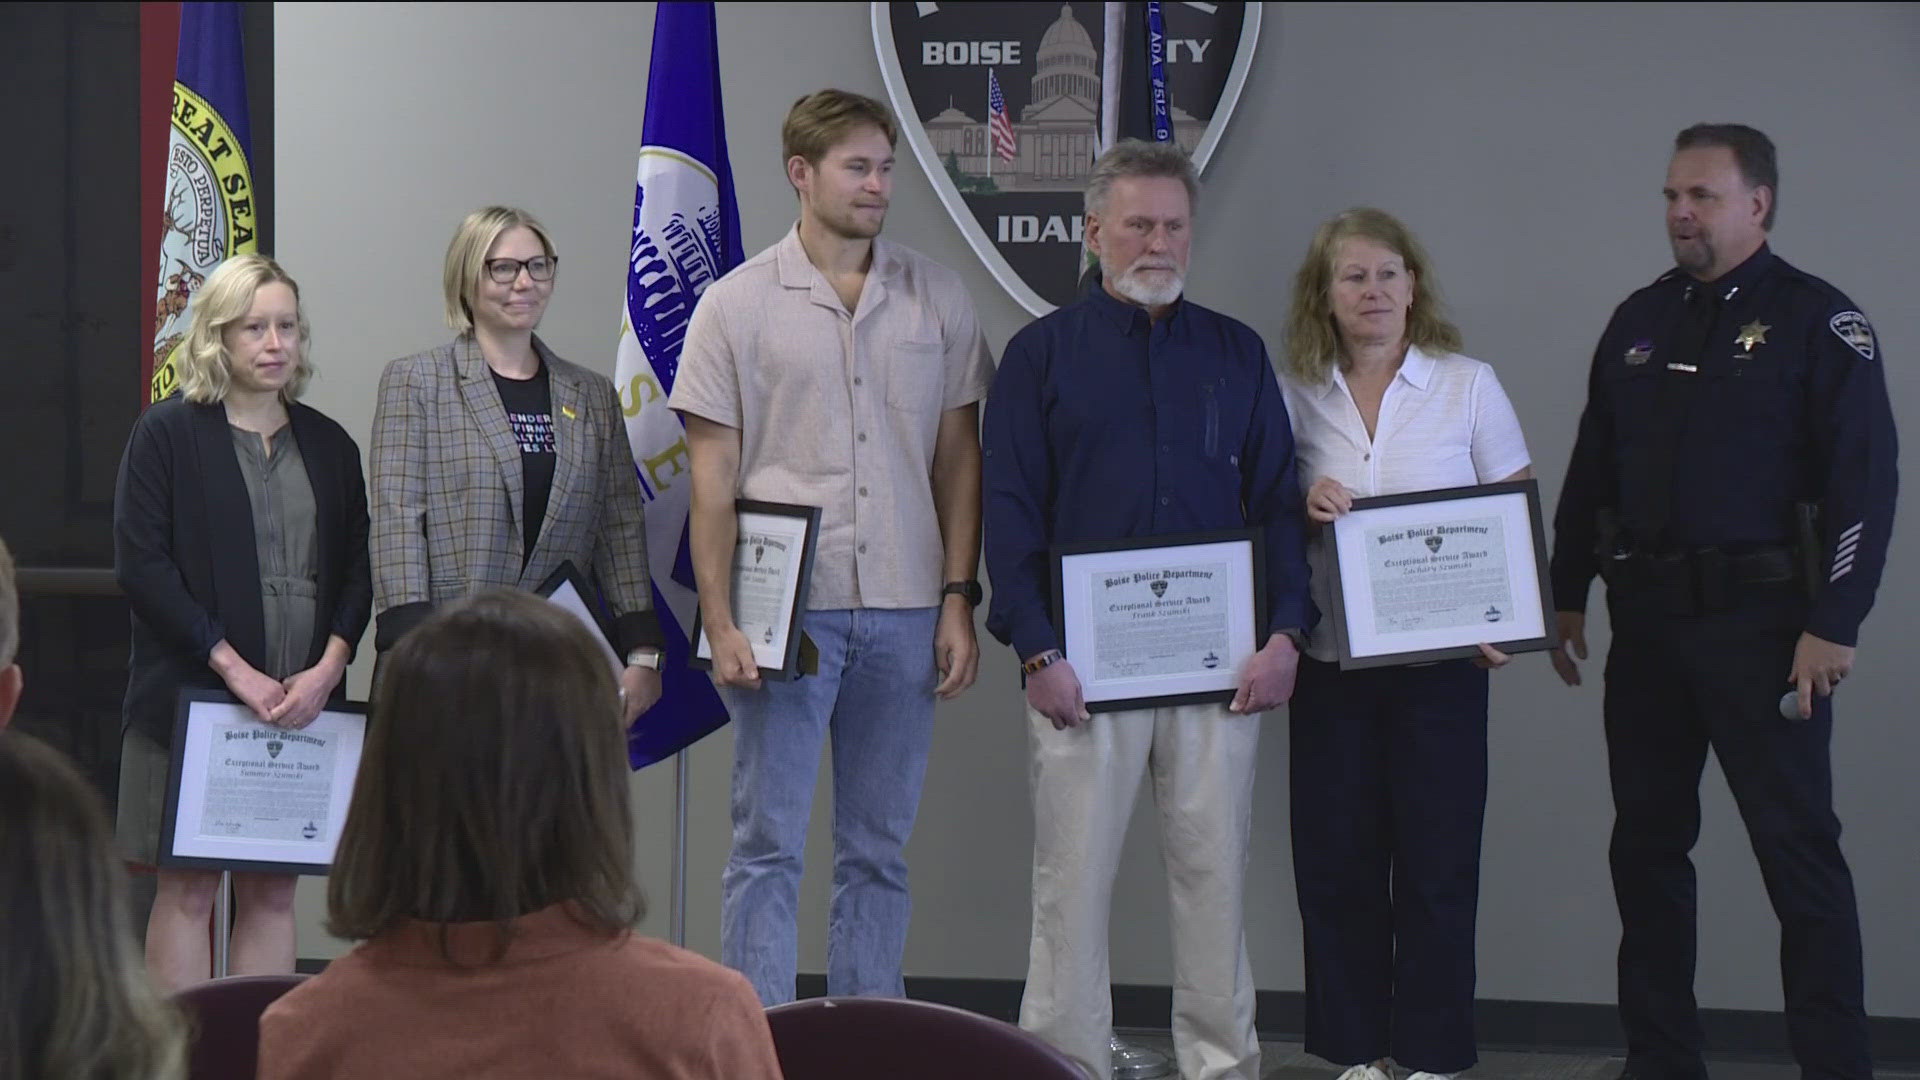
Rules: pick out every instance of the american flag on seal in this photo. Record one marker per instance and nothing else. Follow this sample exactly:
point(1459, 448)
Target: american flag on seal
point(999, 124)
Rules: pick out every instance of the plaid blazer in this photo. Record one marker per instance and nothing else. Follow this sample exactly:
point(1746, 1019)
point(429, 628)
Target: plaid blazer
point(446, 492)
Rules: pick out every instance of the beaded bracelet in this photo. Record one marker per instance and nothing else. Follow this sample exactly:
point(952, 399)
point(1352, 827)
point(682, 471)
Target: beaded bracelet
point(1045, 659)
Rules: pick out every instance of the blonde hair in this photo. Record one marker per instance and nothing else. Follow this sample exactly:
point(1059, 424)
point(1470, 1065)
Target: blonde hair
point(467, 257)
point(75, 997)
point(818, 122)
point(225, 299)
point(1313, 339)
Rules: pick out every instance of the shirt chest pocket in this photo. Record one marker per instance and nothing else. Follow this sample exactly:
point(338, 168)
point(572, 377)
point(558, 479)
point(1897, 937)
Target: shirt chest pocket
point(1633, 394)
point(1762, 394)
point(914, 375)
point(1223, 410)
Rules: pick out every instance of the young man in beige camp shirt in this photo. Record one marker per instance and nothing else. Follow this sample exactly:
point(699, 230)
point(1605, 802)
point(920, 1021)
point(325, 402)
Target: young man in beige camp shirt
point(842, 371)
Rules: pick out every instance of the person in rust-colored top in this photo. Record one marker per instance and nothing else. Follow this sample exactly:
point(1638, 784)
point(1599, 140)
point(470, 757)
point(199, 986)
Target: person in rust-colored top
point(486, 869)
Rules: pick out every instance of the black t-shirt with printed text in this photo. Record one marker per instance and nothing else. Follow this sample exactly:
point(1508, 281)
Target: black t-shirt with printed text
point(529, 404)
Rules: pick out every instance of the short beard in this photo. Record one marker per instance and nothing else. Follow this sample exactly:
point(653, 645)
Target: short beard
point(1138, 291)
point(847, 227)
point(1694, 256)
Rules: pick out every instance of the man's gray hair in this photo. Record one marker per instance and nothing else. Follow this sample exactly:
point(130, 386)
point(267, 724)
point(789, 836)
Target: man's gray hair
point(1138, 157)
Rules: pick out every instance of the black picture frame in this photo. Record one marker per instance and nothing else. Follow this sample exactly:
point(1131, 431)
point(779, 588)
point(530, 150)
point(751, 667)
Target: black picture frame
point(184, 719)
point(1543, 593)
point(1255, 541)
point(569, 574)
point(799, 656)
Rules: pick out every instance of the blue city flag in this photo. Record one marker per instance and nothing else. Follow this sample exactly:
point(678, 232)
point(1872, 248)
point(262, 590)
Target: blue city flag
point(686, 234)
point(210, 211)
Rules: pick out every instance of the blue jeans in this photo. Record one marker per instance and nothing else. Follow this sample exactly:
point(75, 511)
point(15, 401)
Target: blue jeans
point(874, 694)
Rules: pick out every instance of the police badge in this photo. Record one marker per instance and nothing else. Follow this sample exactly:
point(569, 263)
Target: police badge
point(1005, 105)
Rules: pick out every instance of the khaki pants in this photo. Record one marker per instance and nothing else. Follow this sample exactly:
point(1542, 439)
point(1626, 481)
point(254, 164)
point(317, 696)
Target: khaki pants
point(1084, 779)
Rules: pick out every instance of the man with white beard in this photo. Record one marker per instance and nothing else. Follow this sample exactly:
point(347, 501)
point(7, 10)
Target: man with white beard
point(1129, 414)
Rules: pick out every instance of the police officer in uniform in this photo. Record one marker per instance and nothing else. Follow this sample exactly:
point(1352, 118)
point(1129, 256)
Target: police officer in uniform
point(1733, 482)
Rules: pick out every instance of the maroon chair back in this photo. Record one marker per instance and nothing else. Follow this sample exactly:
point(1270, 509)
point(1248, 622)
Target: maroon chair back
point(225, 1014)
point(887, 1038)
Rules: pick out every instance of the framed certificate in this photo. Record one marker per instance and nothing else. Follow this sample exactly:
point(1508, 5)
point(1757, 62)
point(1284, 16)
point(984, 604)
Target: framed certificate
point(1428, 575)
point(245, 795)
point(772, 566)
point(567, 588)
point(1166, 620)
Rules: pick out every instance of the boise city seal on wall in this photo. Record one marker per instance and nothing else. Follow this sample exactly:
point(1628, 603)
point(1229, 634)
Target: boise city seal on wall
point(210, 215)
point(1003, 104)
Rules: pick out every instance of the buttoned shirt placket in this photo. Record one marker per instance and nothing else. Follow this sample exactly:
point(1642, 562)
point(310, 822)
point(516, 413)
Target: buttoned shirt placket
point(1357, 427)
point(1157, 378)
point(867, 394)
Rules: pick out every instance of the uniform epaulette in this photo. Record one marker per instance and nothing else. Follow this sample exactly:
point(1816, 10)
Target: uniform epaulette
point(1818, 284)
point(1672, 273)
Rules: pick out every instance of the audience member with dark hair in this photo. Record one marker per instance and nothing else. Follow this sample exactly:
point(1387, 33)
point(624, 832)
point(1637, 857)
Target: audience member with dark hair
point(487, 870)
point(75, 999)
point(9, 637)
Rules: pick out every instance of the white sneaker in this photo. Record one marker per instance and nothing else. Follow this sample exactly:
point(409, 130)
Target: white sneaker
point(1365, 1071)
point(1431, 1076)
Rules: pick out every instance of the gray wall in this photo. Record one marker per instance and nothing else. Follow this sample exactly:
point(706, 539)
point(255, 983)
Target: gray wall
point(1525, 143)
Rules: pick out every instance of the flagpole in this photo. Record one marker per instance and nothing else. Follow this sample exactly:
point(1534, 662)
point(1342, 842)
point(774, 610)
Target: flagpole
point(222, 925)
point(685, 235)
point(677, 921)
point(1110, 68)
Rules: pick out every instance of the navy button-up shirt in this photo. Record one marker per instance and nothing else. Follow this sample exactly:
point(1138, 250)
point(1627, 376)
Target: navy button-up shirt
point(1102, 425)
point(1791, 406)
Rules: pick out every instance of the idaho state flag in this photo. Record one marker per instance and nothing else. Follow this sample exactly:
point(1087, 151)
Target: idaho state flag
point(686, 234)
point(209, 211)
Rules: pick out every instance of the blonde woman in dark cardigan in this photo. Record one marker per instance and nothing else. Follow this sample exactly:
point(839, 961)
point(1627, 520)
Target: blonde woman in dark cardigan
point(240, 541)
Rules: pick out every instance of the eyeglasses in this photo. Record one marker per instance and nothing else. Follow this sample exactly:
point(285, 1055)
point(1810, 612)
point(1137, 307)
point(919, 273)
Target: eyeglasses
point(539, 268)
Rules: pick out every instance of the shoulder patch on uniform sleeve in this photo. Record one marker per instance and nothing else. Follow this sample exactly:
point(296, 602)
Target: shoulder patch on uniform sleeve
point(1852, 327)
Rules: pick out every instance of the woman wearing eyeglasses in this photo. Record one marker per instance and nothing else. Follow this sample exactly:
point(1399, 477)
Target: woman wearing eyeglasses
point(494, 460)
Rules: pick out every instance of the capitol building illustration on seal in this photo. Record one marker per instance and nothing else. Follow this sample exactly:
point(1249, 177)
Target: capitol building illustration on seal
point(1057, 131)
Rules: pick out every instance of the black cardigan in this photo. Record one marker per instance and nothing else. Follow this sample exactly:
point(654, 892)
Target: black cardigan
point(183, 550)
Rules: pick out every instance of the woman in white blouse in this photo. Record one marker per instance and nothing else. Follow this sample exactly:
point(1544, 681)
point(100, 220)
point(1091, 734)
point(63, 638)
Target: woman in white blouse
point(1389, 765)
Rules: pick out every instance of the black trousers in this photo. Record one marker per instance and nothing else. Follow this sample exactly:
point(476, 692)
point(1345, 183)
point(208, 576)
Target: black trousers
point(1389, 791)
point(1677, 685)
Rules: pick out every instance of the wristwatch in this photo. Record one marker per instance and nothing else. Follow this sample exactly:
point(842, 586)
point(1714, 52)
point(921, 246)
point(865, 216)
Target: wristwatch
point(646, 656)
point(969, 590)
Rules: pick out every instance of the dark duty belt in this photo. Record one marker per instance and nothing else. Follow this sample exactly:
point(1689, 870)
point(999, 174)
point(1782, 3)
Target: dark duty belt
point(1700, 581)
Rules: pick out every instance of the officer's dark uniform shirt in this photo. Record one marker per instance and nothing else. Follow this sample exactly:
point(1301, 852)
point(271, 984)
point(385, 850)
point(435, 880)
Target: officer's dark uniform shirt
point(1104, 425)
point(1790, 405)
